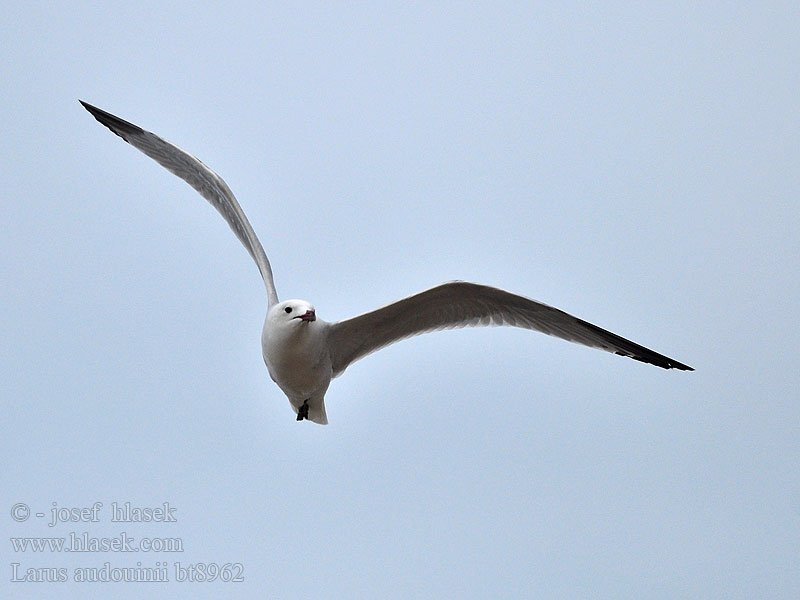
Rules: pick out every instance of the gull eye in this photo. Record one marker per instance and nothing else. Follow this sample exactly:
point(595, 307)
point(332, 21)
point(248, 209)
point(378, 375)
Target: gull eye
point(288, 309)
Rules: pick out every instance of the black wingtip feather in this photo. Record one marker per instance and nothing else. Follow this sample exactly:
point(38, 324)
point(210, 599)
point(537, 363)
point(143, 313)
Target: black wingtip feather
point(636, 351)
point(664, 363)
point(114, 123)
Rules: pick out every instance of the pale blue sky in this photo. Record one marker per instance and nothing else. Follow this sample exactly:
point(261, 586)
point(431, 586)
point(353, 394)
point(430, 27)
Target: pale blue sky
point(635, 166)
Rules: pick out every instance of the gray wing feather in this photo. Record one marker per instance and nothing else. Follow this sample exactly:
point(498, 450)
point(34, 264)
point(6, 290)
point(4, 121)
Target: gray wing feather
point(462, 304)
point(200, 177)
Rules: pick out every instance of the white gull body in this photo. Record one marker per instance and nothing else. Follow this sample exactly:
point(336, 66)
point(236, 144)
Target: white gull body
point(303, 353)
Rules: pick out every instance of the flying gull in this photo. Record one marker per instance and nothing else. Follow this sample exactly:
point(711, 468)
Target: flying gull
point(303, 353)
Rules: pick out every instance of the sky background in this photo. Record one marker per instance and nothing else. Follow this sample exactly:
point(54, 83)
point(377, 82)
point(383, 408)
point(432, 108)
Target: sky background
point(637, 166)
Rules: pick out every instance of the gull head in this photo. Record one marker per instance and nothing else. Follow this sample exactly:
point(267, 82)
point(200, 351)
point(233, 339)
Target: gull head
point(292, 313)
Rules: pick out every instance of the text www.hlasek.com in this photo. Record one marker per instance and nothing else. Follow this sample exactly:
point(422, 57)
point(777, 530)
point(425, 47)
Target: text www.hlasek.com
point(86, 543)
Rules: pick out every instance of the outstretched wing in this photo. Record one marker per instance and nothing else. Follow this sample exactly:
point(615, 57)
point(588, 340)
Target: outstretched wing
point(462, 304)
point(200, 177)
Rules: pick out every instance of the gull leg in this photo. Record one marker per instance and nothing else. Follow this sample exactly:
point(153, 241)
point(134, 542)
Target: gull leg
point(302, 412)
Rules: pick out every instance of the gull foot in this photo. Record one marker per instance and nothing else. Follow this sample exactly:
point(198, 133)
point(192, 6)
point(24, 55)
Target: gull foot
point(302, 412)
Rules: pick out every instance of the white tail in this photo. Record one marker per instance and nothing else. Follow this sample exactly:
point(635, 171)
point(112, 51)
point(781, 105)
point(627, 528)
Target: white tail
point(316, 412)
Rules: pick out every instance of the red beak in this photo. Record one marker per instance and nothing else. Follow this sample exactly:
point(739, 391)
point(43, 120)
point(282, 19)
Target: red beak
point(309, 316)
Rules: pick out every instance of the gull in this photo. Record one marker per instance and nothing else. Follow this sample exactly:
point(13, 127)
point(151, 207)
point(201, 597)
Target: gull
point(303, 353)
